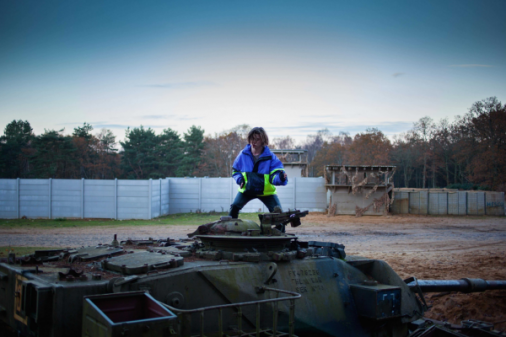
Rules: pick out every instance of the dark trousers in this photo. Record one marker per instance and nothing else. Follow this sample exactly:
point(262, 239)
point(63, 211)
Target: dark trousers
point(270, 201)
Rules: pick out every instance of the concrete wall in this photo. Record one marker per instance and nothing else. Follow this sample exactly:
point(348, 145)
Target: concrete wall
point(452, 203)
point(347, 202)
point(293, 171)
point(142, 199)
point(80, 198)
point(216, 194)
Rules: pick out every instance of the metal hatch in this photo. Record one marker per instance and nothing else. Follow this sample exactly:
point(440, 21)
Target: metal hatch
point(141, 263)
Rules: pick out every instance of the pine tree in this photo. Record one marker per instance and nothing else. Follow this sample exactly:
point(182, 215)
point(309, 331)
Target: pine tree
point(192, 149)
point(15, 149)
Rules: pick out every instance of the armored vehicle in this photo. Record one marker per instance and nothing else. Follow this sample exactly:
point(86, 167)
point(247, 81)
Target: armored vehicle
point(231, 277)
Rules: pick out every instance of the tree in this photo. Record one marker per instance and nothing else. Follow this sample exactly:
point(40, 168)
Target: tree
point(219, 154)
point(15, 149)
point(192, 149)
point(405, 154)
point(314, 143)
point(83, 131)
point(486, 124)
point(54, 156)
point(169, 152)
point(283, 143)
point(138, 159)
point(425, 128)
point(86, 145)
point(107, 141)
point(108, 162)
point(335, 153)
point(370, 148)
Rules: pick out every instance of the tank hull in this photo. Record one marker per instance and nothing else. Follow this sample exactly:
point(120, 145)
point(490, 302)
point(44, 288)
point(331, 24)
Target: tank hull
point(327, 306)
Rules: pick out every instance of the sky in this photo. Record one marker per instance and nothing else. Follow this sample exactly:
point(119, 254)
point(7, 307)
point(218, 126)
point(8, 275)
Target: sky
point(293, 67)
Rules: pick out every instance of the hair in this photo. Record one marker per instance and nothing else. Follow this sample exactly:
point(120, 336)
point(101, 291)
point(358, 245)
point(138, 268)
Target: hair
point(261, 132)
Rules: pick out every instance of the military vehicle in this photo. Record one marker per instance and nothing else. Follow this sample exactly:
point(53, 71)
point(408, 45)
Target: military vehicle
point(231, 277)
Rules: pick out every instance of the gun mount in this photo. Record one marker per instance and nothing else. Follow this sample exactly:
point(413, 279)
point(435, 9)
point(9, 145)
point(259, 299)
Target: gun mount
point(231, 277)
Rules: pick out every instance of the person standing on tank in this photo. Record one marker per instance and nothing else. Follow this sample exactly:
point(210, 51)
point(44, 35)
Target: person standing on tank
point(257, 171)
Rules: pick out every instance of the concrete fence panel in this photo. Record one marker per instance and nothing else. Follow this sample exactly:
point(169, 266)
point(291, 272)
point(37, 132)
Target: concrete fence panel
point(67, 198)
point(286, 194)
point(476, 203)
point(462, 203)
point(165, 196)
point(156, 200)
point(310, 194)
point(424, 202)
point(215, 193)
point(438, 203)
point(494, 203)
point(9, 198)
point(184, 195)
point(146, 199)
point(133, 199)
point(34, 198)
point(99, 198)
point(414, 202)
point(453, 203)
point(457, 203)
point(401, 203)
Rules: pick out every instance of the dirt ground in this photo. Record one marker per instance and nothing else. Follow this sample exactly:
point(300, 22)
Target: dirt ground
point(426, 247)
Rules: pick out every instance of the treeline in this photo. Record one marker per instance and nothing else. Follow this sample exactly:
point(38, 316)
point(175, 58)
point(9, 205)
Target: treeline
point(95, 156)
point(467, 153)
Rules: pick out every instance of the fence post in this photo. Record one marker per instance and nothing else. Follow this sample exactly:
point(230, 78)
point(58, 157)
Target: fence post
point(294, 193)
point(18, 202)
point(168, 195)
point(160, 193)
point(149, 198)
point(231, 189)
point(116, 198)
point(82, 198)
point(200, 194)
point(50, 197)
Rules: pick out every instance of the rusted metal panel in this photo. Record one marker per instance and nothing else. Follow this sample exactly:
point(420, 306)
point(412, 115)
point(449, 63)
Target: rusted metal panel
point(401, 203)
point(494, 203)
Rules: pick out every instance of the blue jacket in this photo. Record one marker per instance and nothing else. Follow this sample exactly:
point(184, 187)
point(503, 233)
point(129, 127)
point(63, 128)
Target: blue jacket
point(259, 179)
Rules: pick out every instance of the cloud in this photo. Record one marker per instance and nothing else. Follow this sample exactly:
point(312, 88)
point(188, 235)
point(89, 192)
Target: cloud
point(181, 85)
point(157, 116)
point(74, 123)
point(186, 118)
point(397, 74)
point(388, 128)
point(320, 116)
point(106, 125)
point(123, 126)
point(471, 66)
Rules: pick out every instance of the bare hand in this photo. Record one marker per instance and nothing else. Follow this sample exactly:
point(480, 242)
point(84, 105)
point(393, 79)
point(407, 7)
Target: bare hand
point(242, 184)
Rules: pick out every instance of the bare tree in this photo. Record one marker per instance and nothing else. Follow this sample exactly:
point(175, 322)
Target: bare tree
point(425, 128)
